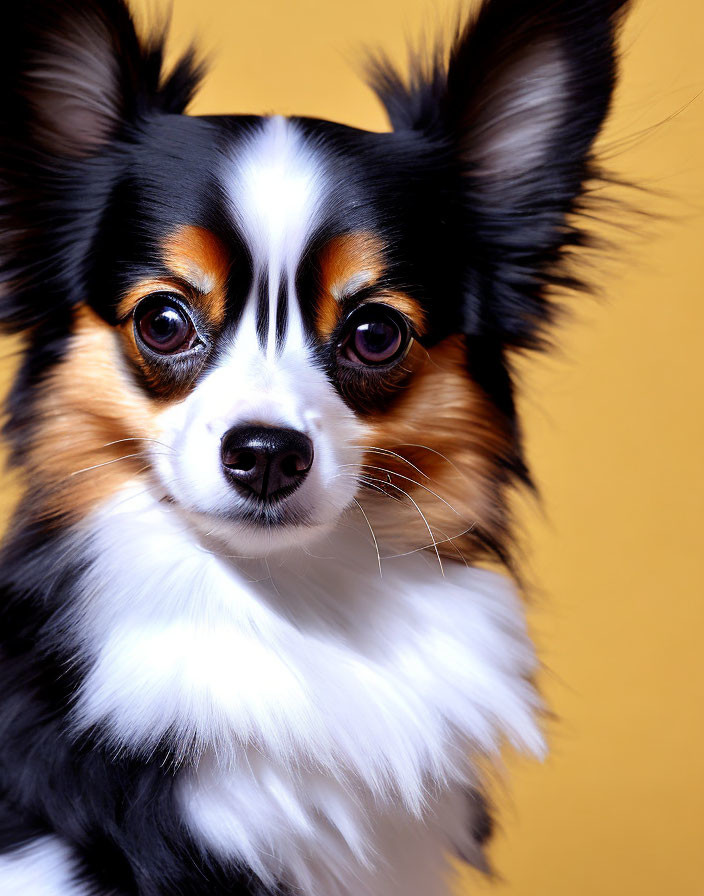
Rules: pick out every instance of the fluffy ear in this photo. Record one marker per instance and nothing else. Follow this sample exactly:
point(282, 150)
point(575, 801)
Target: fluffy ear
point(74, 71)
point(520, 98)
point(75, 76)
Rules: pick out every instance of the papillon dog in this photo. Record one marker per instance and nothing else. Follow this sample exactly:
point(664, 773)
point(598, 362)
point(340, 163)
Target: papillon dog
point(259, 632)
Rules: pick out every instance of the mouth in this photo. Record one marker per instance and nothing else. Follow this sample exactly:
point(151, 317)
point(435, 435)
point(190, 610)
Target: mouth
point(252, 532)
point(270, 515)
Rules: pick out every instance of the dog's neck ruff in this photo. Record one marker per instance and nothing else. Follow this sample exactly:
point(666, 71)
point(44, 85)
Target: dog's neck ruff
point(306, 694)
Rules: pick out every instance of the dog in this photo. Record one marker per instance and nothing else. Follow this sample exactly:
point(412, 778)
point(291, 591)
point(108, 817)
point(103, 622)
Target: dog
point(260, 620)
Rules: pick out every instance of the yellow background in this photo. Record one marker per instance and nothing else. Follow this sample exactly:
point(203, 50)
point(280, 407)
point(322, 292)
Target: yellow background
point(615, 427)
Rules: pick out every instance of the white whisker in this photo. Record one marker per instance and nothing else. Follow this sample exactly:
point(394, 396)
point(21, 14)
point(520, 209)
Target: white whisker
point(422, 516)
point(439, 454)
point(391, 454)
point(107, 463)
point(139, 439)
point(376, 543)
point(448, 539)
point(427, 525)
point(408, 479)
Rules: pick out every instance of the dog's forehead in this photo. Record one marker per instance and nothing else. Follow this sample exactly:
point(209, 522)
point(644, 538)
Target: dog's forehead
point(296, 192)
point(278, 222)
point(275, 182)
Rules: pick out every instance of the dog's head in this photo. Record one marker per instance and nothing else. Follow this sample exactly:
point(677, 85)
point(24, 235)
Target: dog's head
point(269, 320)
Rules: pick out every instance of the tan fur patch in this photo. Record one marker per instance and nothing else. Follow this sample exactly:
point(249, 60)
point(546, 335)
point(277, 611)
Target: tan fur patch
point(197, 259)
point(351, 258)
point(91, 422)
point(350, 263)
point(198, 256)
point(432, 460)
point(406, 305)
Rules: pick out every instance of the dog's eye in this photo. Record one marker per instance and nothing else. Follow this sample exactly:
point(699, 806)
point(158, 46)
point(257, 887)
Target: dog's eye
point(375, 335)
point(163, 325)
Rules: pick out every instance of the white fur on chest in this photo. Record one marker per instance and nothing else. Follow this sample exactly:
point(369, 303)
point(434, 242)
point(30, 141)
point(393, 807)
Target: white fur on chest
point(331, 704)
point(324, 837)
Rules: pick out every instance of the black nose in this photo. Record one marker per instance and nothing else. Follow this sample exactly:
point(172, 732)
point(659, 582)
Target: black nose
point(266, 462)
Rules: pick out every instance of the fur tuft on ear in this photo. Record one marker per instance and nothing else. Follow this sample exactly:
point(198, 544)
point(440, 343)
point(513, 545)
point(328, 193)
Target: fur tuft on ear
point(518, 100)
point(75, 78)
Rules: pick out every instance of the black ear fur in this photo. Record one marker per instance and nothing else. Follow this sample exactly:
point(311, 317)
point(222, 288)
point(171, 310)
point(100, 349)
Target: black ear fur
point(519, 99)
point(75, 77)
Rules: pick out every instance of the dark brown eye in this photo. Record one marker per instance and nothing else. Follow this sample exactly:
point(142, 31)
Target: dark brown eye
point(375, 335)
point(163, 325)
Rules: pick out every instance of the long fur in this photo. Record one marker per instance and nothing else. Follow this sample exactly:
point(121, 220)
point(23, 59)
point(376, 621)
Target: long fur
point(213, 688)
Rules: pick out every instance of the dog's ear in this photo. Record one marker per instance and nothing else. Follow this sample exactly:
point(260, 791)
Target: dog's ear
point(76, 80)
point(75, 72)
point(518, 102)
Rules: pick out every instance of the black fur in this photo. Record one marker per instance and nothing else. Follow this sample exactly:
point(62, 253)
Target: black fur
point(516, 230)
point(119, 812)
point(81, 215)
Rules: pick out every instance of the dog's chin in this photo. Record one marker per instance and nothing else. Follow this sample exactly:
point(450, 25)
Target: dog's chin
point(256, 532)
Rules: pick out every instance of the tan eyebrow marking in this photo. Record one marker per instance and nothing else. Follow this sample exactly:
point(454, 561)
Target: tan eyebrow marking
point(142, 289)
point(194, 257)
point(354, 284)
point(406, 305)
point(347, 264)
point(198, 257)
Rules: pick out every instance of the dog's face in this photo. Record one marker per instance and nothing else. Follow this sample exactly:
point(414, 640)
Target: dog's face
point(269, 321)
point(263, 335)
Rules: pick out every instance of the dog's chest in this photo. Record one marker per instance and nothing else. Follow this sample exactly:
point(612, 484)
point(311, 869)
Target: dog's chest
point(324, 836)
point(335, 708)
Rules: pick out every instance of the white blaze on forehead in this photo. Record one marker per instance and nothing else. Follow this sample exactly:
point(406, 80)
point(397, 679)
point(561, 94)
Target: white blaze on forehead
point(275, 187)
